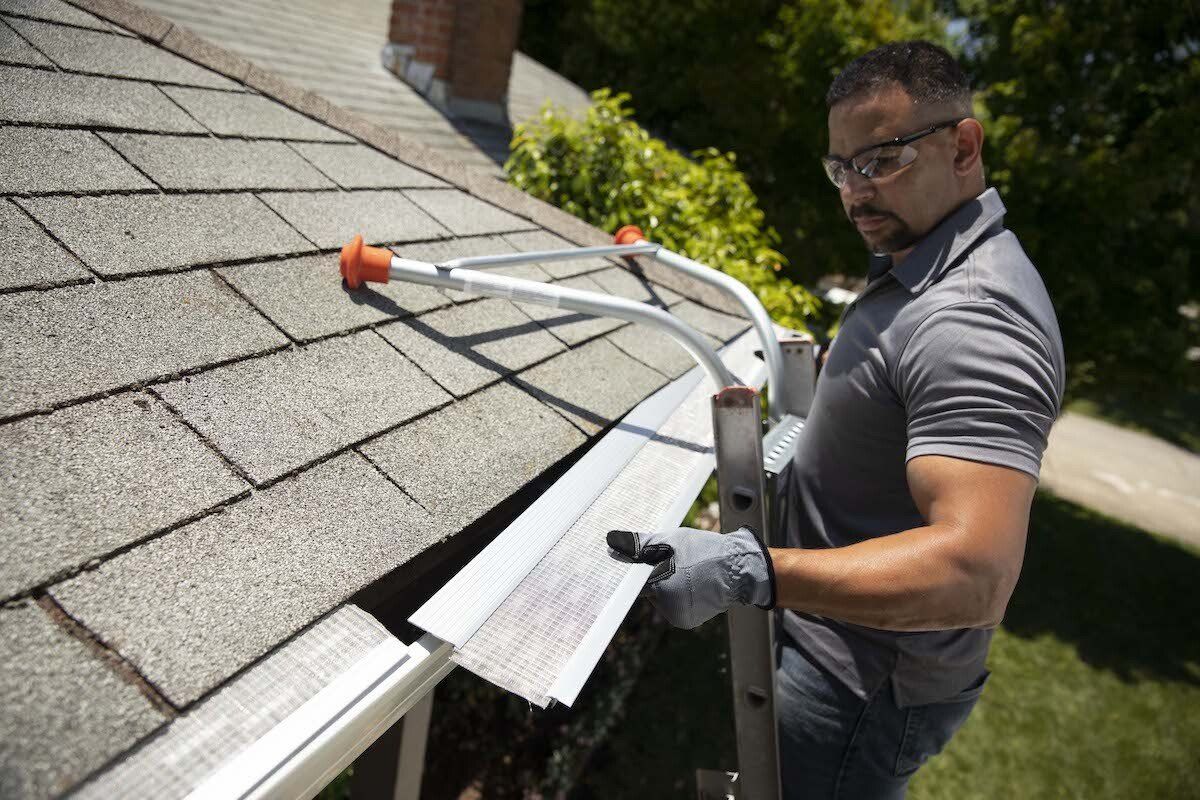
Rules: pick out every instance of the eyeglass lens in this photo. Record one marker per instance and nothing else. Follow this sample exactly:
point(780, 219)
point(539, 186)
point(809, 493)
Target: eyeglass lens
point(878, 162)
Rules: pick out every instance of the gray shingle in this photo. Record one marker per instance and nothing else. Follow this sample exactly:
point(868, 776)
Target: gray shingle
point(65, 712)
point(15, 50)
point(58, 98)
point(55, 11)
point(472, 345)
point(120, 234)
point(465, 215)
point(306, 297)
point(570, 326)
point(42, 160)
point(85, 480)
point(118, 56)
point(196, 605)
point(624, 283)
point(358, 167)
point(544, 240)
point(438, 252)
point(273, 415)
point(77, 341)
point(250, 115)
point(713, 323)
point(654, 349)
point(333, 218)
point(688, 286)
point(593, 385)
point(463, 460)
point(28, 257)
point(189, 162)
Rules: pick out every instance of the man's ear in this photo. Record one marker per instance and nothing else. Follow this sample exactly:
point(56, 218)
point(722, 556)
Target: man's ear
point(968, 147)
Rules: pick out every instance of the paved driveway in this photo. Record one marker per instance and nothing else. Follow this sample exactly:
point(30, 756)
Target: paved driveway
point(1128, 475)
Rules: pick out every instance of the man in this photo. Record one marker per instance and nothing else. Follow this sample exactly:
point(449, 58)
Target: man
point(910, 491)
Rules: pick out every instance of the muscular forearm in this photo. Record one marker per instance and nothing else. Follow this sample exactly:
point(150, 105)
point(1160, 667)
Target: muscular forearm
point(920, 579)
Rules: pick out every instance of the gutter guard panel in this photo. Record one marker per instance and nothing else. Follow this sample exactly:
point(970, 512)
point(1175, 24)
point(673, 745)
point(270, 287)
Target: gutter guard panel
point(465, 602)
point(535, 610)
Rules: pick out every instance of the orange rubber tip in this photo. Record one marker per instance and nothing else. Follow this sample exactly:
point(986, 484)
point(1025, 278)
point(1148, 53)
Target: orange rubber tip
point(360, 262)
point(630, 234)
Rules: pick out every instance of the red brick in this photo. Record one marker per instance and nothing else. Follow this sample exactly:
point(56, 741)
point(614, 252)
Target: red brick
point(469, 43)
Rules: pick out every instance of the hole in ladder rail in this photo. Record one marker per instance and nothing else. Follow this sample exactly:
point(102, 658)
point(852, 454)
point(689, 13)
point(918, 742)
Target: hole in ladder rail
point(756, 698)
point(741, 498)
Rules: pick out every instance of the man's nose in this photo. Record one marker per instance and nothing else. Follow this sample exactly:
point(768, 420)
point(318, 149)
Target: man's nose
point(856, 189)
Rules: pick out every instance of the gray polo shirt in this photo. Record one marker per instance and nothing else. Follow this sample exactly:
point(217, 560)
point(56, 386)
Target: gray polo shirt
point(955, 352)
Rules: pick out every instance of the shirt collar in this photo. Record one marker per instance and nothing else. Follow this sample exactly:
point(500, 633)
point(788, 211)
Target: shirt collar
point(947, 243)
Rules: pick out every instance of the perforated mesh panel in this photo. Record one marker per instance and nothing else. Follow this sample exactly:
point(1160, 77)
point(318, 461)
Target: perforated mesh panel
point(535, 632)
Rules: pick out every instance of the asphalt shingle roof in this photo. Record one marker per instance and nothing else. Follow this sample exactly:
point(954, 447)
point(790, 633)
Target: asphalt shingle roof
point(298, 296)
point(97, 477)
point(196, 605)
point(47, 743)
point(381, 216)
point(125, 234)
point(206, 442)
point(31, 258)
point(40, 160)
point(333, 49)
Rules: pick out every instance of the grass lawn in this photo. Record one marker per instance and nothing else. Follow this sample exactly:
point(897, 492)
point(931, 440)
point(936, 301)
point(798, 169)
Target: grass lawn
point(1095, 690)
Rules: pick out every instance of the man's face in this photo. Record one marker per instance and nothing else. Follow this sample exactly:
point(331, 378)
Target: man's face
point(892, 214)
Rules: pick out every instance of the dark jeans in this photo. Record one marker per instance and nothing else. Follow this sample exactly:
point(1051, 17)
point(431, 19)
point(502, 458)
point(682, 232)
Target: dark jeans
point(834, 745)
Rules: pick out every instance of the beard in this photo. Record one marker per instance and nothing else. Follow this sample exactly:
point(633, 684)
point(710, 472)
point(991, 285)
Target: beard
point(894, 236)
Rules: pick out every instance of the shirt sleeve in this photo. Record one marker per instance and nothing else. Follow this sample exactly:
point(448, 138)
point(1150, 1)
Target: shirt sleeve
point(978, 383)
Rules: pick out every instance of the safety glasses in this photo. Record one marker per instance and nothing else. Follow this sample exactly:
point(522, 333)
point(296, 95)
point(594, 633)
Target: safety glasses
point(880, 160)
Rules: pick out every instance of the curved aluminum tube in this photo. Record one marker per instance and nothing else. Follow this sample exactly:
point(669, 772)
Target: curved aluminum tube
point(508, 259)
point(777, 400)
point(600, 305)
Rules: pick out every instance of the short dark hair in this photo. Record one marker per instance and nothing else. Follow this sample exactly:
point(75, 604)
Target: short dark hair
point(927, 72)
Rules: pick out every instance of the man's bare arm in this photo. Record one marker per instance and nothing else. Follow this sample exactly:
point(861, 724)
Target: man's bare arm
point(958, 571)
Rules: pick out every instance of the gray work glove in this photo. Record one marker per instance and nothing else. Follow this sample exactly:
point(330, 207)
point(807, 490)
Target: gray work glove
point(699, 574)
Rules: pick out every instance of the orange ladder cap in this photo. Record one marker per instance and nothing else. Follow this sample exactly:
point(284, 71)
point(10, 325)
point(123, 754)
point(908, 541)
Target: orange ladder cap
point(630, 234)
point(360, 262)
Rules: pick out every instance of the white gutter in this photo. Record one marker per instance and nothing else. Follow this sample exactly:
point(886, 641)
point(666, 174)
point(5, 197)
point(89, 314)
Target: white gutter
point(302, 754)
point(310, 747)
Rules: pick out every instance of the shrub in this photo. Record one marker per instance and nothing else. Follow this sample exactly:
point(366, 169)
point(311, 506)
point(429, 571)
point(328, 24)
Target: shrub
point(609, 171)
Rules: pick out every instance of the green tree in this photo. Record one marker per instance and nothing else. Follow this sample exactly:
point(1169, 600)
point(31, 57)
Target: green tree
point(1092, 110)
point(608, 170)
point(748, 77)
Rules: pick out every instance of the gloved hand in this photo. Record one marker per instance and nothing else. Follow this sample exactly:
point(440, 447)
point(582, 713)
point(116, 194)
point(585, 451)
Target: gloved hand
point(699, 574)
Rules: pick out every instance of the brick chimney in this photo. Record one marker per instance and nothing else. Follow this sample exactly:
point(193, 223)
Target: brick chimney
point(457, 53)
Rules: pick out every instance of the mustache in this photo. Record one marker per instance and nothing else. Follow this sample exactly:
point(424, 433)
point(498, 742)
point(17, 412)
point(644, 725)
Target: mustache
point(867, 210)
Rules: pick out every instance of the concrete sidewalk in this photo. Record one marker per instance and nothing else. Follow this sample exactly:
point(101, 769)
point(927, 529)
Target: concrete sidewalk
point(1131, 476)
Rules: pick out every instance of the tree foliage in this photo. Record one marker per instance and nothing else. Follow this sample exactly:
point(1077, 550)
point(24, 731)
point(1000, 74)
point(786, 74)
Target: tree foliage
point(1090, 107)
point(748, 77)
point(608, 170)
